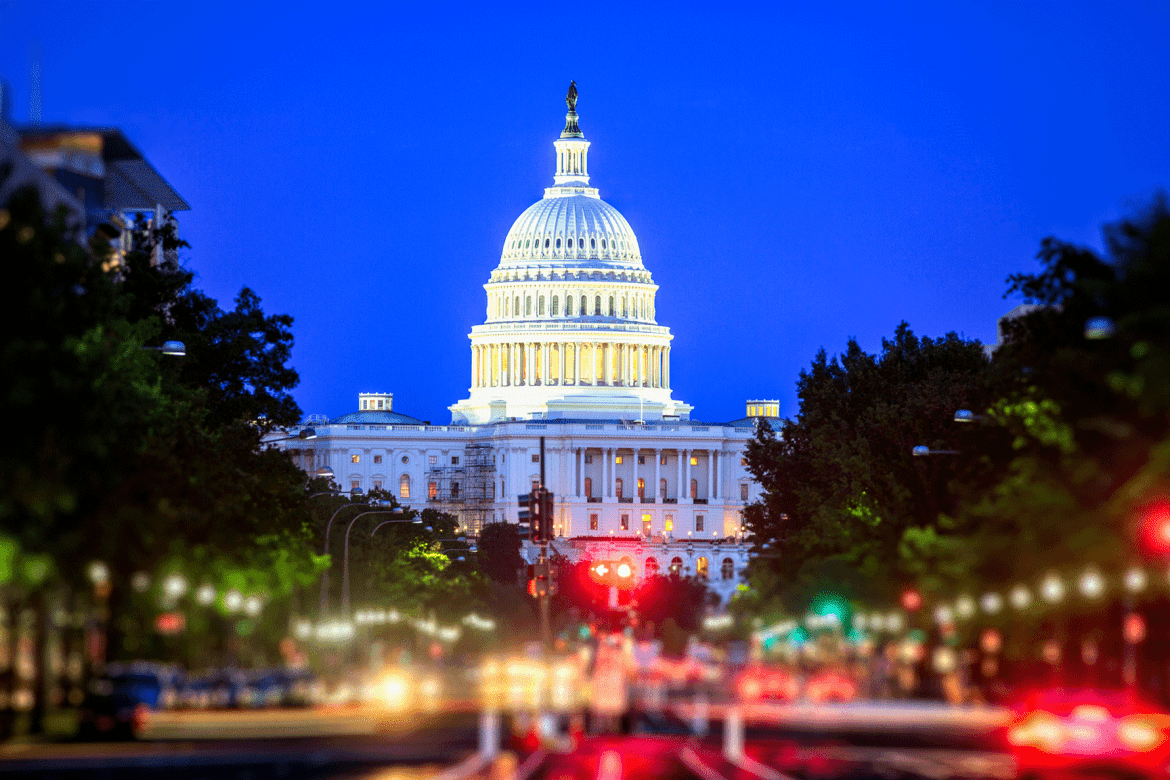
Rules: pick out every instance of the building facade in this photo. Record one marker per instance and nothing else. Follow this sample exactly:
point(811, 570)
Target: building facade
point(570, 357)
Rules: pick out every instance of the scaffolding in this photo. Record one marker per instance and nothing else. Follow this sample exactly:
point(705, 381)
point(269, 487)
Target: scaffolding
point(466, 489)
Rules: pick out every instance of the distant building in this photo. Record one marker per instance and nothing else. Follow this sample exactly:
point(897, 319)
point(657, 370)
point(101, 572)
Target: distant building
point(570, 352)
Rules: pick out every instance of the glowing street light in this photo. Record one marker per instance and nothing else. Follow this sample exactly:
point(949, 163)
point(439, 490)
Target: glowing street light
point(1092, 583)
point(1020, 597)
point(98, 573)
point(206, 594)
point(174, 586)
point(233, 601)
point(1052, 588)
point(991, 603)
point(1135, 580)
point(965, 607)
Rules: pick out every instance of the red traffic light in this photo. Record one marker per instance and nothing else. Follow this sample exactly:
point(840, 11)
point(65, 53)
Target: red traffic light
point(1135, 628)
point(911, 600)
point(1154, 527)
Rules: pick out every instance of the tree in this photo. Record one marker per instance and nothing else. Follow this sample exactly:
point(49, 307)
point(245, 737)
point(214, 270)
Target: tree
point(499, 552)
point(839, 481)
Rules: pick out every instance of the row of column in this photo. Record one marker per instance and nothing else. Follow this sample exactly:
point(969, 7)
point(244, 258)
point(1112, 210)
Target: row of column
point(561, 363)
point(715, 467)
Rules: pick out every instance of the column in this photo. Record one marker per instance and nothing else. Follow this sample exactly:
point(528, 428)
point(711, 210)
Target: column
point(577, 363)
point(634, 492)
point(530, 357)
point(604, 472)
point(605, 370)
point(657, 473)
point(710, 474)
point(544, 372)
point(561, 360)
point(678, 490)
point(580, 471)
point(686, 488)
point(666, 368)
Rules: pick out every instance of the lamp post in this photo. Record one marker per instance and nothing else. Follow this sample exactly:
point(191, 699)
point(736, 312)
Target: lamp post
point(176, 348)
point(345, 555)
point(324, 610)
point(922, 450)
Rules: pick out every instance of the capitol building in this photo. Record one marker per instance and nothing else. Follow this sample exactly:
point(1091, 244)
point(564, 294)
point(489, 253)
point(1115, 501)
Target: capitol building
point(570, 355)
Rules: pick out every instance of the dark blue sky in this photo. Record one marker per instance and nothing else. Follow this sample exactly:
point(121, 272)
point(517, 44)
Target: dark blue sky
point(795, 175)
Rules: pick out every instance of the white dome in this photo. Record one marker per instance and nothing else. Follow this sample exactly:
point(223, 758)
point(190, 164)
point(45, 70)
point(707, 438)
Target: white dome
point(576, 230)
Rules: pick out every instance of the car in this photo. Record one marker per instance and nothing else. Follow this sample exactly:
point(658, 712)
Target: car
point(1060, 732)
point(830, 685)
point(118, 703)
point(763, 683)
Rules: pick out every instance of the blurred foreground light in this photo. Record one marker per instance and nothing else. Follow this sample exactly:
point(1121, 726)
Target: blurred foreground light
point(894, 622)
point(98, 573)
point(325, 472)
point(303, 629)
point(480, 624)
point(991, 603)
point(206, 594)
point(175, 585)
point(965, 607)
point(1052, 588)
point(1135, 580)
point(965, 416)
point(252, 606)
point(233, 601)
point(1099, 328)
point(920, 451)
point(1092, 583)
point(140, 581)
point(1020, 597)
point(174, 348)
point(944, 616)
point(717, 622)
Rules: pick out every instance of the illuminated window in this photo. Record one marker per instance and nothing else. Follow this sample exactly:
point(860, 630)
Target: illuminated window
point(743, 492)
point(651, 567)
point(380, 404)
point(698, 523)
point(355, 458)
point(432, 490)
point(701, 568)
point(694, 460)
point(377, 459)
point(743, 461)
point(404, 486)
point(641, 460)
point(662, 488)
point(536, 457)
point(645, 525)
point(592, 522)
point(694, 488)
point(668, 525)
point(727, 571)
point(675, 565)
point(617, 487)
point(617, 459)
point(588, 487)
point(641, 488)
point(625, 522)
point(662, 460)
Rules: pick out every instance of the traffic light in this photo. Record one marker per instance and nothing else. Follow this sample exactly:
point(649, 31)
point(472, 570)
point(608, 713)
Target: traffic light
point(526, 522)
point(1154, 527)
point(546, 515)
point(619, 574)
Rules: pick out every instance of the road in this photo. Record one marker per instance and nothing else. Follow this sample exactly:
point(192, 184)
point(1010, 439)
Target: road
point(846, 741)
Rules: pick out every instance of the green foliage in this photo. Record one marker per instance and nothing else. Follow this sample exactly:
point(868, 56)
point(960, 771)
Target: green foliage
point(499, 552)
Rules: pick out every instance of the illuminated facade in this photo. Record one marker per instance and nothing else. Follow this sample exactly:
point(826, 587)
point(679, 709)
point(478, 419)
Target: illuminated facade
point(570, 352)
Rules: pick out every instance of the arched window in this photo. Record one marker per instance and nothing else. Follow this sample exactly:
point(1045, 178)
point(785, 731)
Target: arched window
point(662, 488)
point(546, 243)
point(668, 524)
point(588, 487)
point(528, 306)
point(556, 304)
point(694, 488)
point(651, 567)
point(558, 242)
point(625, 311)
point(580, 243)
point(597, 305)
point(568, 306)
point(540, 306)
point(701, 567)
point(593, 243)
point(641, 488)
point(728, 569)
point(516, 307)
point(404, 486)
point(584, 305)
point(676, 565)
point(603, 243)
point(617, 487)
point(526, 242)
point(612, 308)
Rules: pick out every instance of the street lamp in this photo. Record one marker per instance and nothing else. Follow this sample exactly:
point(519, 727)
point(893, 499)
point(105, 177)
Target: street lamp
point(176, 348)
point(345, 556)
point(991, 603)
point(1092, 583)
point(1052, 588)
point(325, 550)
point(922, 450)
point(967, 416)
point(1099, 328)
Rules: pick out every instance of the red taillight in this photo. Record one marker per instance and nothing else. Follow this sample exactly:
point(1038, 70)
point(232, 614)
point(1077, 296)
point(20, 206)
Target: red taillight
point(138, 719)
point(1139, 734)
point(750, 687)
point(1091, 712)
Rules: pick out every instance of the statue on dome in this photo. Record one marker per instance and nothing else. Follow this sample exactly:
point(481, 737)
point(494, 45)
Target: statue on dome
point(571, 98)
